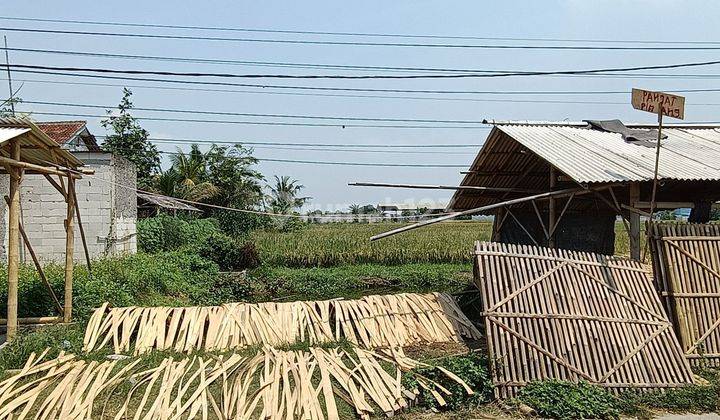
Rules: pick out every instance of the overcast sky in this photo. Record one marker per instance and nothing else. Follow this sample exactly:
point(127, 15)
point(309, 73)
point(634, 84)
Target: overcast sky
point(612, 20)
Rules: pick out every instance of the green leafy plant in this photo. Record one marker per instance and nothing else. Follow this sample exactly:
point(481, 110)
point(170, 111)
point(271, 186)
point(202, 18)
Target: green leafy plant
point(57, 338)
point(471, 368)
point(569, 400)
point(169, 233)
point(229, 253)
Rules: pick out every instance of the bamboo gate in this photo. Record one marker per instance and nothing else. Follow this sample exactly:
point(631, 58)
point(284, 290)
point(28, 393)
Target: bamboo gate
point(686, 260)
point(27, 150)
point(574, 316)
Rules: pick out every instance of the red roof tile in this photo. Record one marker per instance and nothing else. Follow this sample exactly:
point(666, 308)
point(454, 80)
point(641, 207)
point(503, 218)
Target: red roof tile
point(61, 131)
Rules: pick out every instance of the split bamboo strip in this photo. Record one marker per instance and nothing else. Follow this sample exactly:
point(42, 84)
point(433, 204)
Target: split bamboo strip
point(686, 262)
point(271, 384)
point(371, 322)
point(553, 313)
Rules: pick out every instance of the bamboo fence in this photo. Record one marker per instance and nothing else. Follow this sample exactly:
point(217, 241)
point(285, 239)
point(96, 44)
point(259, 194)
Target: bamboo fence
point(370, 322)
point(686, 261)
point(271, 384)
point(552, 313)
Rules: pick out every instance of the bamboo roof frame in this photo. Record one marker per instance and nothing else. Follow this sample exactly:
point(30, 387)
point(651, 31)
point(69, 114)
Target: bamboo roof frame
point(26, 149)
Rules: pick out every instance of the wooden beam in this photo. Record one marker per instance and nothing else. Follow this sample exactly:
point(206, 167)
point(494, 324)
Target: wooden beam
point(34, 320)
point(38, 266)
point(551, 209)
point(634, 222)
point(41, 169)
point(57, 186)
point(665, 205)
point(13, 241)
point(636, 211)
point(69, 249)
point(441, 187)
point(522, 226)
point(559, 193)
point(82, 231)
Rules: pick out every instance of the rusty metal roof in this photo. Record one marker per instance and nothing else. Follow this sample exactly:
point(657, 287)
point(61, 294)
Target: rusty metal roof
point(521, 149)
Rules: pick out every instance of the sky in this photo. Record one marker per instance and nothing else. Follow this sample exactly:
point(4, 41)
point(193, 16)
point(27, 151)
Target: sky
point(646, 20)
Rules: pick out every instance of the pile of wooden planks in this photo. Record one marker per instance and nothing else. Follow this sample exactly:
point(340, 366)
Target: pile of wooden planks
point(270, 384)
point(371, 322)
point(686, 262)
point(552, 313)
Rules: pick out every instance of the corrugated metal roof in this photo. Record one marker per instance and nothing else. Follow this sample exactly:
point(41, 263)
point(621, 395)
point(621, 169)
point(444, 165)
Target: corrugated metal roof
point(592, 156)
point(7, 133)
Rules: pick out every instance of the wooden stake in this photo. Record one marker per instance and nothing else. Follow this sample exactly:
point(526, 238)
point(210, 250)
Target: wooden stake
point(551, 210)
point(82, 231)
point(13, 242)
point(38, 266)
point(634, 223)
point(69, 249)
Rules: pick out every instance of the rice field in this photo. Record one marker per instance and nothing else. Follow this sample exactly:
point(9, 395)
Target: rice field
point(332, 244)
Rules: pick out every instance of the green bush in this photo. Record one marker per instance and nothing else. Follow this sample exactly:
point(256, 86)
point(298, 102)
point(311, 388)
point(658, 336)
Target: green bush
point(568, 400)
point(229, 253)
point(471, 368)
point(691, 398)
point(68, 338)
point(170, 278)
point(169, 233)
point(238, 224)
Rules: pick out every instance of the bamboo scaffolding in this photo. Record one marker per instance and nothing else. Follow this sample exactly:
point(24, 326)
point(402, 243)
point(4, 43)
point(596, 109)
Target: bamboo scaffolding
point(553, 313)
point(270, 384)
point(371, 322)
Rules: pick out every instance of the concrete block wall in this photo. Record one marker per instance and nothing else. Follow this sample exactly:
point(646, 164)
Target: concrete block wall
point(108, 211)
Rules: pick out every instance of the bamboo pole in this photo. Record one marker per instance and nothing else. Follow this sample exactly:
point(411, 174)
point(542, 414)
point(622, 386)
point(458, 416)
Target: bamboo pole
point(477, 210)
point(38, 266)
point(41, 169)
point(440, 187)
point(69, 249)
point(13, 242)
point(82, 231)
point(551, 210)
point(35, 320)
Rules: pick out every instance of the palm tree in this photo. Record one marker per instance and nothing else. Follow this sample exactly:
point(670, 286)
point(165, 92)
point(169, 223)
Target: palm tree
point(191, 170)
point(283, 197)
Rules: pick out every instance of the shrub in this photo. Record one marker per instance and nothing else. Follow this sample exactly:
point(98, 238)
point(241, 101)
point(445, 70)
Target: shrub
point(68, 338)
point(170, 278)
point(691, 398)
point(568, 400)
point(229, 253)
point(238, 224)
point(169, 233)
point(471, 368)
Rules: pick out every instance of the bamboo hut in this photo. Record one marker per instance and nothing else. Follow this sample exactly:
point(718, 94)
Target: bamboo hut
point(25, 150)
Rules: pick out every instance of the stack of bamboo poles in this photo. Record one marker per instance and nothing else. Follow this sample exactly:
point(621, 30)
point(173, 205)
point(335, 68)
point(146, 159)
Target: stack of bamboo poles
point(686, 262)
point(373, 321)
point(553, 313)
point(271, 384)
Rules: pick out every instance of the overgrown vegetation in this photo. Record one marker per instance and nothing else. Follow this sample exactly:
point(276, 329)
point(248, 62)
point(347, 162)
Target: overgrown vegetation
point(168, 233)
point(471, 368)
point(568, 400)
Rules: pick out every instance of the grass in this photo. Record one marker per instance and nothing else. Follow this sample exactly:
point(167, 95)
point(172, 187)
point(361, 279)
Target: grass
point(333, 244)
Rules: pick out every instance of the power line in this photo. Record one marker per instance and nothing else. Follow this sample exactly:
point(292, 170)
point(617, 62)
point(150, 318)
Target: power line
point(246, 114)
point(354, 34)
point(304, 144)
point(292, 124)
point(487, 73)
point(346, 89)
point(364, 43)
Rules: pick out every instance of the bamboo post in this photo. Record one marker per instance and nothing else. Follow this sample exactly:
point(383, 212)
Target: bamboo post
point(634, 222)
point(69, 248)
point(13, 242)
point(551, 210)
point(82, 232)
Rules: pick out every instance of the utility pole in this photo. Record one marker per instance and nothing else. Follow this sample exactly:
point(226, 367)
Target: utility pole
point(7, 62)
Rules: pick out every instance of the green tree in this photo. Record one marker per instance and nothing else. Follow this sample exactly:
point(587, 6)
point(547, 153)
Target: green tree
point(6, 106)
point(284, 195)
point(130, 140)
point(191, 174)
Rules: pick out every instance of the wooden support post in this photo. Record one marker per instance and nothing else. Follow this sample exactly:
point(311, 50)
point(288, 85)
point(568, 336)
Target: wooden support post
point(69, 248)
point(13, 242)
point(551, 210)
point(634, 222)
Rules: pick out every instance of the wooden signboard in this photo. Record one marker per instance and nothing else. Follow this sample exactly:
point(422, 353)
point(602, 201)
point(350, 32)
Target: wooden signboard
point(671, 105)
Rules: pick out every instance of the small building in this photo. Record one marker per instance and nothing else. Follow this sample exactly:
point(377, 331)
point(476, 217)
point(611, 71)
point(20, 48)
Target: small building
point(584, 176)
point(107, 201)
